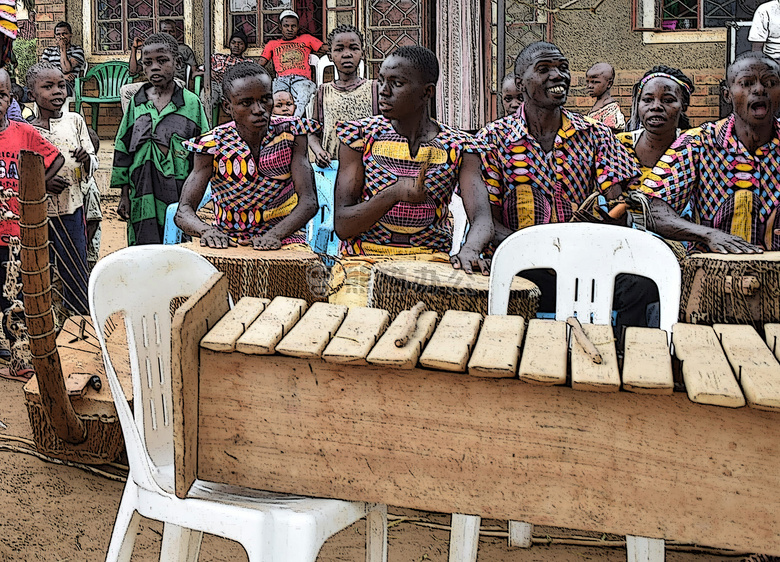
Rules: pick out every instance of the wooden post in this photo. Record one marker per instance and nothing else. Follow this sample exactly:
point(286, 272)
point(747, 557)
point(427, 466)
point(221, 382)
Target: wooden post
point(36, 282)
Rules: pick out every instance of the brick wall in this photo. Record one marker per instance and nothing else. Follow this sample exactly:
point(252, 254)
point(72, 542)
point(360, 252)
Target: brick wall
point(705, 101)
point(48, 13)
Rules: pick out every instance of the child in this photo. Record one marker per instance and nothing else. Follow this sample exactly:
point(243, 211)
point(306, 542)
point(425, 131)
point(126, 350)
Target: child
point(68, 132)
point(290, 56)
point(92, 210)
point(220, 62)
point(347, 98)
point(511, 98)
point(606, 110)
point(150, 163)
point(262, 183)
point(284, 104)
point(14, 137)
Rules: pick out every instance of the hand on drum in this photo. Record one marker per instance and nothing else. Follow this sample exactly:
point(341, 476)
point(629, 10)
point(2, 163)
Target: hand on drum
point(466, 258)
point(725, 243)
point(215, 238)
point(265, 242)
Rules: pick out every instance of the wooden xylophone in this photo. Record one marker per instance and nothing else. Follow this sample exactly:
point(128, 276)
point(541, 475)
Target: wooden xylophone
point(319, 401)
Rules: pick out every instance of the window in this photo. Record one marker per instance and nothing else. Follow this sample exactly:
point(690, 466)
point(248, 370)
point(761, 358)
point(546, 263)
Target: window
point(245, 15)
point(118, 22)
point(391, 24)
point(682, 15)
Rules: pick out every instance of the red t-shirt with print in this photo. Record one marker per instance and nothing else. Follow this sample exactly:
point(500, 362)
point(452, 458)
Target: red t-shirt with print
point(18, 136)
point(292, 57)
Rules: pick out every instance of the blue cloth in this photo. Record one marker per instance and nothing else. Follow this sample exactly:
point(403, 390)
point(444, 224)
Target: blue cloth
point(15, 111)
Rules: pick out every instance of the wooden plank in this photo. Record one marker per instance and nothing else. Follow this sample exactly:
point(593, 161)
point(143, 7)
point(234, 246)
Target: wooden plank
point(595, 377)
point(357, 336)
point(190, 323)
point(309, 337)
point(772, 334)
point(546, 352)
point(224, 335)
point(653, 466)
point(452, 342)
point(756, 368)
point(498, 348)
point(385, 351)
point(647, 363)
point(270, 327)
point(706, 371)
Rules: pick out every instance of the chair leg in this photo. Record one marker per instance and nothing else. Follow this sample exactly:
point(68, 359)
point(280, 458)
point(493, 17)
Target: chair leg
point(95, 114)
point(180, 544)
point(464, 537)
point(376, 534)
point(520, 534)
point(643, 549)
point(123, 536)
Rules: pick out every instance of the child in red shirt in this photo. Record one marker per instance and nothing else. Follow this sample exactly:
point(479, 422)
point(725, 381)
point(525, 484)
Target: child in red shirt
point(290, 56)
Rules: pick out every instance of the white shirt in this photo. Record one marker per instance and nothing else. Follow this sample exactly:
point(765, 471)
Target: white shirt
point(766, 28)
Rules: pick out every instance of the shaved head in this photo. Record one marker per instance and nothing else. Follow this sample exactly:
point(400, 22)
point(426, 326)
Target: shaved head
point(602, 69)
point(5, 78)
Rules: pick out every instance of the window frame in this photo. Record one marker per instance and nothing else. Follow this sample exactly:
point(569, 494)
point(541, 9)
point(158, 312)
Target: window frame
point(638, 8)
point(125, 25)
point(259, 12)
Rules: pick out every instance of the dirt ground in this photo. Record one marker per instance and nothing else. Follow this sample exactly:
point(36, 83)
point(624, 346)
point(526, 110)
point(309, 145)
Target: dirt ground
point(57, 513)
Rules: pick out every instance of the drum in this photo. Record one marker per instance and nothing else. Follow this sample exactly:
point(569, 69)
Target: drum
point(289, 272)
point(731, 289)
point(398, 285)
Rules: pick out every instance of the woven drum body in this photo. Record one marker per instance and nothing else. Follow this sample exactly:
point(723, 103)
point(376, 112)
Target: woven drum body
point(95, 408)
point(268, 274)
point(731, 289)
point(399, 285)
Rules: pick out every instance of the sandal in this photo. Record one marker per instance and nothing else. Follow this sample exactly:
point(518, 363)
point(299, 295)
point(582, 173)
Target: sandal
point(22, 375)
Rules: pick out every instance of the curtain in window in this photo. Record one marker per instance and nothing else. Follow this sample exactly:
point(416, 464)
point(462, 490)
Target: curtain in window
point(460, 92)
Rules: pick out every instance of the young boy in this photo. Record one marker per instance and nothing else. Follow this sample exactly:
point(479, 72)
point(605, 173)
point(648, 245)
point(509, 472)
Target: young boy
point(606, 109)
point(186, 55)
point(284, 104)
point(728, 171)
point(511, 98)
point(15, 137)
point(290, 56)
point(69, 58)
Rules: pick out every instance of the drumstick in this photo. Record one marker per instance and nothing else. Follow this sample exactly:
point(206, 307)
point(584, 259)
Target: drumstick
point(411, 324)
point(583, 340)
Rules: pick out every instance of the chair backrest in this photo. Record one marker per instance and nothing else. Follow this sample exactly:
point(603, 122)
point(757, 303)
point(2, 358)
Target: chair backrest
point(460, 222)
point(325, 62)
point(140, 282)
point(586, 259)
point(110, 77)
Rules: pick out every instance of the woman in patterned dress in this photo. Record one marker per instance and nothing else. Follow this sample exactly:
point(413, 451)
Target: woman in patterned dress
point(262, 183)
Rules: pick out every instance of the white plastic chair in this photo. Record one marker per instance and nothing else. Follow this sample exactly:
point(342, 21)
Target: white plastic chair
point(460, 222)
point(325, 62)
point(586, 258)
point(140, 282)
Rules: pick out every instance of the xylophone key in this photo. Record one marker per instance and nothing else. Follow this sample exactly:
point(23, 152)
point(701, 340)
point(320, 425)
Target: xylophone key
point(647, 363)
point(230, 327)
point(271, 326)
point(546, 352)
point(772, 334)
point(309, 337)
point(597, 377)
point(756, 368)
point(357, 336)
point(452, 342)
point(706, 371)
point(498, 348)
point(386, 353)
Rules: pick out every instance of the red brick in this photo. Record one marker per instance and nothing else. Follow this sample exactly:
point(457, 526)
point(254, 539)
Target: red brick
point(707, 78)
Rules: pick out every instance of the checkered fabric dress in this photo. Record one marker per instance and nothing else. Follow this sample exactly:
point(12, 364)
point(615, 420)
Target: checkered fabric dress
point(252, 195)
point(727, 187)
point(386, 158)
point(536, 187)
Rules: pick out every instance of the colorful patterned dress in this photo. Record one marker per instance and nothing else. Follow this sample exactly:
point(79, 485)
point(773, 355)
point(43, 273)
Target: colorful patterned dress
point(532, 186)
point(253, 195)
point(407, 227)
point(611, 116)
point(150, 158)
point(727, 187)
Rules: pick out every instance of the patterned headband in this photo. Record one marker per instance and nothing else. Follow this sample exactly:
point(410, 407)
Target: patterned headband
point(649, 77)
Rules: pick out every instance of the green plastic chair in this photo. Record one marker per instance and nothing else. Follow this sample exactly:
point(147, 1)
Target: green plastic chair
point(197, 87)
point(109, 76)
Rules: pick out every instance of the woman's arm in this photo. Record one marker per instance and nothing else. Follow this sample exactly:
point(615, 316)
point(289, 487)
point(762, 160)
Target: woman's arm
point(303, 181)
point(352, 215)
point(191, 195)
point(475, 201)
